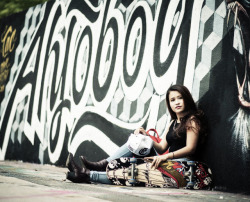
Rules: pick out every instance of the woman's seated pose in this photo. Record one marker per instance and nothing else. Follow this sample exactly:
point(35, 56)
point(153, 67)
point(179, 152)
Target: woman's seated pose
point(182, 137)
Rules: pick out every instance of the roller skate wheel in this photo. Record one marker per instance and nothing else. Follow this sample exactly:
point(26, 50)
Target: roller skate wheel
point(191, 163)
point(190, 185)
point(133, 160)
point(132, 181)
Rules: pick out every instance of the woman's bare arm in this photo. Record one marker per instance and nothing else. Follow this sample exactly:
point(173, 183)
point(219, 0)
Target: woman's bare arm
point(191, 144)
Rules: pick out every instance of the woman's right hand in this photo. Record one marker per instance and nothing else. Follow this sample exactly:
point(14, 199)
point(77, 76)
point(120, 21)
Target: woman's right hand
point(156, 160)
point(140, 130)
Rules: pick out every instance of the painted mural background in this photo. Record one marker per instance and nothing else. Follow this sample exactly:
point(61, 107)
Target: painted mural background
point(79, 76)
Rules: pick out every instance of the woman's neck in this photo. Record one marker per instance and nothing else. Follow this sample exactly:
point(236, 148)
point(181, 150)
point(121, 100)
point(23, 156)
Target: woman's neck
point(180, 116)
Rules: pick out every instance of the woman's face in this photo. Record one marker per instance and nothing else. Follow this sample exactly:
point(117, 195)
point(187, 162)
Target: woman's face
point(176, 102)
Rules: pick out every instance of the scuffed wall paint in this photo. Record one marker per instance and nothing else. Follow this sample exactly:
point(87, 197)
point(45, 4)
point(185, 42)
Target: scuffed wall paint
point(79, 76)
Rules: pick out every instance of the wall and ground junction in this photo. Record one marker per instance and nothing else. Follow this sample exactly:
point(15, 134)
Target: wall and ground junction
point(79, 76)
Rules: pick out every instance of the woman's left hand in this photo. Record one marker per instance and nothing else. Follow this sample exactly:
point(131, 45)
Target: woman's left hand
point(156, 160)
point(140, 130)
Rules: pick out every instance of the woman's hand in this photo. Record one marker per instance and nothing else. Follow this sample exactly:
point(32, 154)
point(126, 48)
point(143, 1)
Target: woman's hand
point(140, 130)
point(156, 160)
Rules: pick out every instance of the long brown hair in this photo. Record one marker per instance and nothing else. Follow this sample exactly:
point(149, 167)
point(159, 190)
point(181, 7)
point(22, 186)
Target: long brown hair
point(192, 112)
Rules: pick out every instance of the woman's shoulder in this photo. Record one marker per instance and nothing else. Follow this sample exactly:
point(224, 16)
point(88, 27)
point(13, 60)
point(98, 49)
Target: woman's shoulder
point(197, 115)
point(197, 120)
point(172, 121)
point(170, 124)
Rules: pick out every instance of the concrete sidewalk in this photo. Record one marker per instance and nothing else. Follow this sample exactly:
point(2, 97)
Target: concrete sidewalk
point(34, 182)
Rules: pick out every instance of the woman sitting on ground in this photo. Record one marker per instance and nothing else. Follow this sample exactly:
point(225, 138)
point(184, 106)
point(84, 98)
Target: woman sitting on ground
point(182, 137)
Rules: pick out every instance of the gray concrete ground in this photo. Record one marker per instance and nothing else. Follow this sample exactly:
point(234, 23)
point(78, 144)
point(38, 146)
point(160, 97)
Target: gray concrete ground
point(34, 182)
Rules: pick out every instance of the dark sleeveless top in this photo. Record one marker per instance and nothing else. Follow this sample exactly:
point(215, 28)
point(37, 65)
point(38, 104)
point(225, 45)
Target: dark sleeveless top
point(175, 142)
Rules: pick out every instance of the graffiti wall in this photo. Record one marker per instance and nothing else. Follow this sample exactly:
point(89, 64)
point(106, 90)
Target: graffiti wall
point(79, 76)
